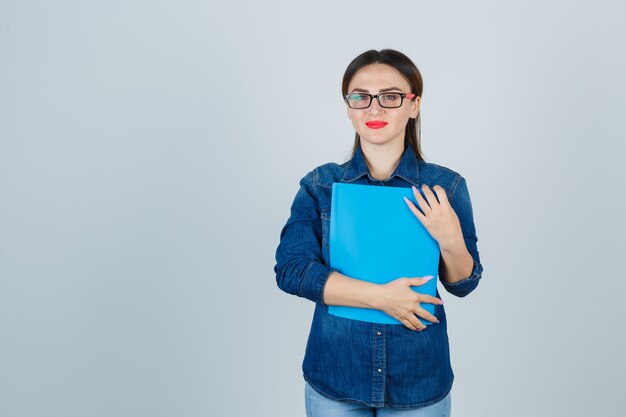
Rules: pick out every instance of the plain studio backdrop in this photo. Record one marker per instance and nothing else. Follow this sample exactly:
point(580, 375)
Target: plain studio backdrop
point(150, 152)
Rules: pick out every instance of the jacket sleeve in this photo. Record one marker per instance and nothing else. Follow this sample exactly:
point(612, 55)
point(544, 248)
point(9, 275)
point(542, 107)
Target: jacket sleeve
point(300, 268)
point(462, 205)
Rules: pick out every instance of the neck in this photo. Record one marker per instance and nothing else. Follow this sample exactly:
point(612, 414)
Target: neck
point(382, 160)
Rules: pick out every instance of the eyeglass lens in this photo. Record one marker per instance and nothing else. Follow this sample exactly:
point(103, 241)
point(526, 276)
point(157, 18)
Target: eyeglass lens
point(387, 100)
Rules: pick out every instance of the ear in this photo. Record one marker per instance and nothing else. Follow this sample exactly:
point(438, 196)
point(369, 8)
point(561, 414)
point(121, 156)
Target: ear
point(415, 107)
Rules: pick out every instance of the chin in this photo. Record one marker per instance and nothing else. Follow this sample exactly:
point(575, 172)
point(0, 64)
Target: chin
point(377, 140)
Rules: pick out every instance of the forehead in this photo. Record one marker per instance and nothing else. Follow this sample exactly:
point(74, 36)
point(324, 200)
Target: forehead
point(374, 77)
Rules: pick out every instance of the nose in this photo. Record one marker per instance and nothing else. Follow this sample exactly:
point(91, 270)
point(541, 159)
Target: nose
point(375, 108)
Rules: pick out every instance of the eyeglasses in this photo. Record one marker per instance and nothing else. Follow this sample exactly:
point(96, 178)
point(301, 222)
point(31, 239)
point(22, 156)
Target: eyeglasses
point(386, 100)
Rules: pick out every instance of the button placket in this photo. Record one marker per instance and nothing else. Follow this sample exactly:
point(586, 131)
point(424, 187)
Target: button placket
point(379, 363)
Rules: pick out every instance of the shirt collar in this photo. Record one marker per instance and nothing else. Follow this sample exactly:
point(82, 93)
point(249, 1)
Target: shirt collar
point(407, 169)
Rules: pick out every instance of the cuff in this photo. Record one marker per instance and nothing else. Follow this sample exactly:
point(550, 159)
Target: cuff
point(466, 285)
point(313, 281)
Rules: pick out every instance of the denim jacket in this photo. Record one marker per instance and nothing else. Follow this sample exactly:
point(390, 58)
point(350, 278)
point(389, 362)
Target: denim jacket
point(380, 365)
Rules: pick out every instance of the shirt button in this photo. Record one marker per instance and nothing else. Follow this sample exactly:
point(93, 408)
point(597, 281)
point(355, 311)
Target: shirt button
point(378, 333)
point(380, 370)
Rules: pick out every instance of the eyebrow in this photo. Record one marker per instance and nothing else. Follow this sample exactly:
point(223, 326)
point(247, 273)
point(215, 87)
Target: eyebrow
point(382, 90)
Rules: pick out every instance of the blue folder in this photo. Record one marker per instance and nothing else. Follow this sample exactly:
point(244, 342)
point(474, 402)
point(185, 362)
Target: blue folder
point(375, 237)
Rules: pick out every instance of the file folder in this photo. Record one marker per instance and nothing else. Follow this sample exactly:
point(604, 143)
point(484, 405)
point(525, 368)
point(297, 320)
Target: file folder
point(375, 237)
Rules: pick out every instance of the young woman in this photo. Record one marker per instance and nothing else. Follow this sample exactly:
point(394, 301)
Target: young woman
point(355, 367)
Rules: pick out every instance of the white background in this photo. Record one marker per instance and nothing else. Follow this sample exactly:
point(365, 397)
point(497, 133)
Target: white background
point(150, 151)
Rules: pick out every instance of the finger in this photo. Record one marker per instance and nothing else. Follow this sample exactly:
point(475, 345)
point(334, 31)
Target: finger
point(412, 322)
point(429, 299)
point(441, 195)
point(415, 321)
point(420, 200)
point(408, 324)
point(416, 282)
point(426, 315)
point(415, 210)
point(430, 197)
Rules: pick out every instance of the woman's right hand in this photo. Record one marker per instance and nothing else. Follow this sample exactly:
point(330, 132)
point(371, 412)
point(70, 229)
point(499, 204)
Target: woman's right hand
point(402, 303)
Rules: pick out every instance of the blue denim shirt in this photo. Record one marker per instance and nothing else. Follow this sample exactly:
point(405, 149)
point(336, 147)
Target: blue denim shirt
point(380, 365)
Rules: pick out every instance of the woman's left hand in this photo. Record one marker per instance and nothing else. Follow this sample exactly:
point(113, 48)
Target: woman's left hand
point(438, 217)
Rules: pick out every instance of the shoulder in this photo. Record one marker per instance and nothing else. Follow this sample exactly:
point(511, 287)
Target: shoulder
point(325, 175)
point(433, 174)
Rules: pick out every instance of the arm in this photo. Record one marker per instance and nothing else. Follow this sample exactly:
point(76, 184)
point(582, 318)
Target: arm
point(457, 263)
point(457, 283)
point(395, 298)
point(300, 269)
point(451, 224)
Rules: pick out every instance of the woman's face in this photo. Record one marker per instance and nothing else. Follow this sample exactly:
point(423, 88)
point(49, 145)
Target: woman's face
point(374, 79)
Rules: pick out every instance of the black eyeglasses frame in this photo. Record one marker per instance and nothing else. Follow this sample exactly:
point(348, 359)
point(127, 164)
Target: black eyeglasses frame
point(377, 97)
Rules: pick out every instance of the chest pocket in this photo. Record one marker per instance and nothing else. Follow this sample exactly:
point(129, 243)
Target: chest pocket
point(325, 215)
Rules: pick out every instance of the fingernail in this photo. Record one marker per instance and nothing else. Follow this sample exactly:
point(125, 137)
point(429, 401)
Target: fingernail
point(428, 278)
point(440, 302)
point(406, 200)
point(436, 320)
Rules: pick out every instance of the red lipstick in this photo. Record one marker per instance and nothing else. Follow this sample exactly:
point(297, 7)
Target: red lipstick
point(375, 124)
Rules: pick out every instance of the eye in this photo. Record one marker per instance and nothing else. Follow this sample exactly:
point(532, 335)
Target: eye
point(391, 97)
point(356, 97)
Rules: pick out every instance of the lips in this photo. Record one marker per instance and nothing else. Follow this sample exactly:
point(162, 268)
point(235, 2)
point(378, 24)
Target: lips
point(376, 124)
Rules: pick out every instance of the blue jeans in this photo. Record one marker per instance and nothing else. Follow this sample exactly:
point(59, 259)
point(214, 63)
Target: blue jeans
point(319, 406)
